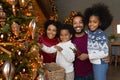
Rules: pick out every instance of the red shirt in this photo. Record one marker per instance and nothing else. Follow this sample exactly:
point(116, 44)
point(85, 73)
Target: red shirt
point(48, 58)
point(82, 68)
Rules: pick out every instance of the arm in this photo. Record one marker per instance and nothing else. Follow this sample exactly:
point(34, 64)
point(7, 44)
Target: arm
point(83, 56)
point(97, 55)
point(100, 50)
point(48, 49)
point(68, 54)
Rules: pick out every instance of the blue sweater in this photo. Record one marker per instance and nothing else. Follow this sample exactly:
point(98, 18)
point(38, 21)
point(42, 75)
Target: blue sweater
point(97, 46)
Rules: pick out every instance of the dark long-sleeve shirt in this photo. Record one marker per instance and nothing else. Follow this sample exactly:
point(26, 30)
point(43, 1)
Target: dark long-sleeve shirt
point(82, 68)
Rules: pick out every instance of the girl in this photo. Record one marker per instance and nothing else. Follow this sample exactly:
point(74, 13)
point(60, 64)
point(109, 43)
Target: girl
point(98, 19)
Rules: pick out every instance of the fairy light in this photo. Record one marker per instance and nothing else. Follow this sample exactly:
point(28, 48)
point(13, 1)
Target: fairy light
point(19, 53)
point(2, 36)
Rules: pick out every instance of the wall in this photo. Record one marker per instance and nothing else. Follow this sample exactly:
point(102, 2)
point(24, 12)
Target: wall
point(66, 6)
point(40, 16)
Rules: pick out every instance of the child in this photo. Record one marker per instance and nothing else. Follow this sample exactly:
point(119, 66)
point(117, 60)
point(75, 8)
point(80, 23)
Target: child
point(98, 19)
point(65, 55)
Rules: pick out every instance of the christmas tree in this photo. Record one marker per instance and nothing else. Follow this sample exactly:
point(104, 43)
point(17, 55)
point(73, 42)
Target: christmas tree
point(19, 52)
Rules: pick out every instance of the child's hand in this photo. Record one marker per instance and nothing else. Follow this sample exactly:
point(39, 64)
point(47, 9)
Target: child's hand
point(58, 48)
point(106, 59)
point(83, 57)
point(76, 52)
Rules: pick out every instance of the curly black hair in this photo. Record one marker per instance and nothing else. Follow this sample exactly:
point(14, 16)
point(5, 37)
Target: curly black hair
point(69, 28)
point(57, 24)
point(79, 15)
point(102, 11)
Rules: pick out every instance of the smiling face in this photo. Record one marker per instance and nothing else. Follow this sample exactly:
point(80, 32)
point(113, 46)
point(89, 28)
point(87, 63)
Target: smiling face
point(51, 31)
point(94, 23)
point(65, 35)
point(78, 24)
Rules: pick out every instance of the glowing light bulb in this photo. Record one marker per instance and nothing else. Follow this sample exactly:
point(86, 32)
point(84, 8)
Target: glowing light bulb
point(2, 36)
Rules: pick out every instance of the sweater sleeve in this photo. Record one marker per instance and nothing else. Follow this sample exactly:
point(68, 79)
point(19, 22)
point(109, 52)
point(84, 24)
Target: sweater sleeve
point(97, 55)
point(99, 49)
point(49, 50)
point(69, 54)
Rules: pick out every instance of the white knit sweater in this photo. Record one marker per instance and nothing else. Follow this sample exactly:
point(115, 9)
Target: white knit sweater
point(64, 58)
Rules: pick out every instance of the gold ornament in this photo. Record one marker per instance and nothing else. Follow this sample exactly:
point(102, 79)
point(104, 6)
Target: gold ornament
point(23, 3)
point(15, 28)
point(13, 3)
point(2, 16)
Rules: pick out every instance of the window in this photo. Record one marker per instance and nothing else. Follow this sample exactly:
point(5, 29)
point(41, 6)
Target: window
point(117, 29)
